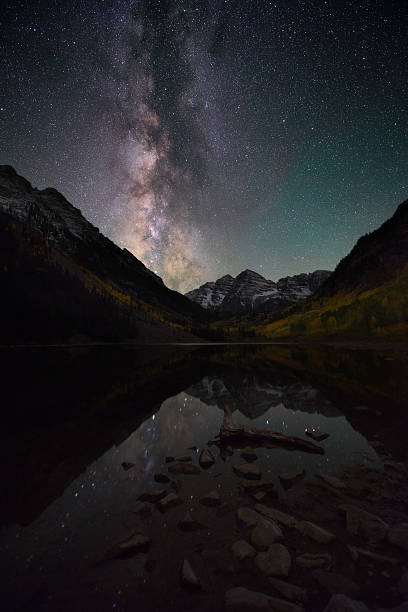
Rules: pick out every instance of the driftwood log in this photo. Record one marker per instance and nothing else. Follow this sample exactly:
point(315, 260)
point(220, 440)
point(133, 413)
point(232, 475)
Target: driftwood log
point(232, 433)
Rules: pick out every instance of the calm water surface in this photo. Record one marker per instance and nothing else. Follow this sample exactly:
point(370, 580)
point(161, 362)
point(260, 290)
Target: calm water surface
point(77, 415)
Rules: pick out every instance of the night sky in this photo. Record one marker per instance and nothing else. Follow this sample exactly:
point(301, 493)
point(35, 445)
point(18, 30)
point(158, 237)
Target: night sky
point(210, 137)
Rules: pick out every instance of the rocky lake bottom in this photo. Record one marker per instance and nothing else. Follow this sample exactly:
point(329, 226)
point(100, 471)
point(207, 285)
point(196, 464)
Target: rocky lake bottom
point(120, 493)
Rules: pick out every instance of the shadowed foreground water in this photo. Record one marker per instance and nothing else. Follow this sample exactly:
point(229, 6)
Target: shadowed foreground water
point(76, 415)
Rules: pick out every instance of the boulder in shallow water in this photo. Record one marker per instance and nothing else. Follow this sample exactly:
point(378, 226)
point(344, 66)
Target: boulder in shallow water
point(137, 543)
point(249, 454)
point(189, 524)
point(356, 553)
point(363, 523)
point(265, 533)
point(316, 435)
point(276, 515)
point(152, 495)
point(247, 517)
point(170, 501)
point(333, 481)
point(290, 591)
point(314, 560)
point(250, 471)
point(336, 583)
point(254, 488)
point(316, 533)
point(259, 496)
point(163, 478)
point(188, 576)
point(183, 468)
point(243, 550)
point(206, 459)
point(275, 561)
point(211, 499)
point(289, 477)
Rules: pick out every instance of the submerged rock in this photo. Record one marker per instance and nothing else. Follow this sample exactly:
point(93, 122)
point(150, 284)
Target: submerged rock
point(250, 471)
point(316, 435)
point(170, 501)
point(176, 485)
point(152, 495)
point(189, 524)
point(161, 478)
point(368, 554)
point(206, 459)
point(259, 496)
point(248, 517)
point(144, 511)
point(183, 468)
point(275, 561)
point(333, 481)
point(316, 533)
point(240, 599)
point(242, 550)
point(137, 543)
point(336, 583)
point(363, 523)
point(249, 454)
point(225, 508)
point(257, 489)
point(276, 515)
point(342, 603)
point(288, 478)
point(188, 577)
point(265, 533)
point(211, 499)
point(314, 560)
point(290, 591)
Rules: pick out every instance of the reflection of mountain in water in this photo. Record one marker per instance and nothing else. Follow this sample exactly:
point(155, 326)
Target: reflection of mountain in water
point(253, 395)
point(67, 406)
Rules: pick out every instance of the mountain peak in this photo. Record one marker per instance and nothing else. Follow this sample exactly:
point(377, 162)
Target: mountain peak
point(249, 274)
point(251, 292)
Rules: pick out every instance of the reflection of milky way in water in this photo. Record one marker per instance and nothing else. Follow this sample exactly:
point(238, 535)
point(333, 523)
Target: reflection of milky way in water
point(97, 509)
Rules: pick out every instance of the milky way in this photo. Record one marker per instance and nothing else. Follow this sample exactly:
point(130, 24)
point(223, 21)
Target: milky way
point(210, 137)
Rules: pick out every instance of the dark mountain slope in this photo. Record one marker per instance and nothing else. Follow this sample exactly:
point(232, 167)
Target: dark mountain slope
point(63, 278)
point(375, 258)
point(367, 294)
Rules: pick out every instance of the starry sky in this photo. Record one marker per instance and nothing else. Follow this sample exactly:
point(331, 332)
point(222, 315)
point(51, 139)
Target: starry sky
point(212, 136)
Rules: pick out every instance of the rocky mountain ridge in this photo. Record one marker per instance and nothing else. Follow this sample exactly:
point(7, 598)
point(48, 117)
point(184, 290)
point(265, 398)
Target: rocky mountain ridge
point(365, 296)
point(250, 292)
point(64, 278)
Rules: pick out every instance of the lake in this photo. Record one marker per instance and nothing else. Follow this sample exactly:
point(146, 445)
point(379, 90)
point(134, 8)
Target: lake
point(86, 431)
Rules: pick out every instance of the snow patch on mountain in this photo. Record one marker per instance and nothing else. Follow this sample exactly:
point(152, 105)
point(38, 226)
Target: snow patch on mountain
point(250, 292)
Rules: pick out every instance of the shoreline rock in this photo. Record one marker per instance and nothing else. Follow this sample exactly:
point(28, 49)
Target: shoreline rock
point(276, 561)
point(250, 471)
